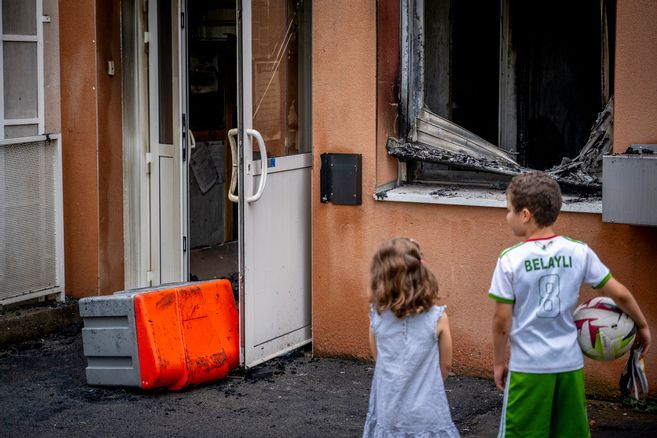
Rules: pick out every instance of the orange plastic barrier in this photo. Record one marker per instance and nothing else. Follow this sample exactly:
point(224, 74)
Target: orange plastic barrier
point(186, 334)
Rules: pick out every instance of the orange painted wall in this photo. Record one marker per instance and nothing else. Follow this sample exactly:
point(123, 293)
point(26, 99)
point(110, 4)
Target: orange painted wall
point(387, 90)
point(79, 139)
point(91, 147)
point(110, 147)
point(460, 243)
point(636, 80)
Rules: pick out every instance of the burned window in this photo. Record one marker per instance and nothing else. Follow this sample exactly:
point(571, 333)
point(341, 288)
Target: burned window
point(505, 86)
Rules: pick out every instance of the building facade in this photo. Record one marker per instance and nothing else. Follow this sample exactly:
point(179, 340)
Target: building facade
point(150, 95)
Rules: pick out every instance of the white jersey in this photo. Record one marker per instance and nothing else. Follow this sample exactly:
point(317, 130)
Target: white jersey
point(542, 278)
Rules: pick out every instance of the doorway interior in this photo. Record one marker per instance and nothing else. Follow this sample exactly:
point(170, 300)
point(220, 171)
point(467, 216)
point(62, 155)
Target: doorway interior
point(212, 84)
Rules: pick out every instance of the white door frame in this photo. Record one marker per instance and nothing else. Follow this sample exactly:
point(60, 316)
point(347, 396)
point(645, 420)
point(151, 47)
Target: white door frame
point(136, 192)
point(142, 160)
point(166, 159)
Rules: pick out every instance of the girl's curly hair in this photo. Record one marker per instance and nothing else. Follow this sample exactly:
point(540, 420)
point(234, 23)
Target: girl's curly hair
point(400, 281)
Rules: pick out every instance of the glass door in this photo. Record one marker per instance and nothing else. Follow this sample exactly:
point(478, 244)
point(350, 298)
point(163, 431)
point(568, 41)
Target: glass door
point(274, 173)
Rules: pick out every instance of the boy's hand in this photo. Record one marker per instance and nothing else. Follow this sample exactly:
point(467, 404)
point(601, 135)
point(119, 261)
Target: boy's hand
point(642, 340)
point(500, 372)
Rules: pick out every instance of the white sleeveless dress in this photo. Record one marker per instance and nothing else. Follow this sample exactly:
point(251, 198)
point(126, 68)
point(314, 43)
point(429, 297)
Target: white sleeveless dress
point(407, 398)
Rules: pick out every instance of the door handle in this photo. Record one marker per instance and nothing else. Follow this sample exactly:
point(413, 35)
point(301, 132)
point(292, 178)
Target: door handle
point(232, 135)
point(192, 140)
point(263, 165)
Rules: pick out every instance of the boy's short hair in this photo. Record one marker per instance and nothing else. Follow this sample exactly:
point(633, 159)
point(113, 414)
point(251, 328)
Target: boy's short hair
point(538, 193)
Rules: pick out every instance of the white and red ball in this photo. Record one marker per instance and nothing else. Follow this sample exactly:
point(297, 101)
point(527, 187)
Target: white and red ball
point(604, 332)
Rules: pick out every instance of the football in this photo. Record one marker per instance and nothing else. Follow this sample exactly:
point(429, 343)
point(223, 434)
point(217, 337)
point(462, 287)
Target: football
point(604, 332)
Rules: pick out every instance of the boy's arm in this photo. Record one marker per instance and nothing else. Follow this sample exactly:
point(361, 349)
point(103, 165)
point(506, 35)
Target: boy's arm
point(444, 345)
point(372, 344)
point(501, 328)
point(625, 300)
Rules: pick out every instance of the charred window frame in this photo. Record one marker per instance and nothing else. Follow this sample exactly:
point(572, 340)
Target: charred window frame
point(535, 89)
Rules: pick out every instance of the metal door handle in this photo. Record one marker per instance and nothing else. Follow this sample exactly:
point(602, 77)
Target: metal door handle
point(263, 164)
point(192, 140)
point(232, 135)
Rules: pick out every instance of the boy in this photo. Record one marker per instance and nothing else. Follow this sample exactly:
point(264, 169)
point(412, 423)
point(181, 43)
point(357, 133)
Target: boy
point(536, 285)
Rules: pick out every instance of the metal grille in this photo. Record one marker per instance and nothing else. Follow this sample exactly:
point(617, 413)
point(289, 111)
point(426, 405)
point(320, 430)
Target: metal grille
point(28, 241)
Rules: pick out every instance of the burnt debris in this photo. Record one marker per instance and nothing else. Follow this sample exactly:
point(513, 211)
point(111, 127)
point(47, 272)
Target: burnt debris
point(437, 140)
point(586, 168)
point(408, 151)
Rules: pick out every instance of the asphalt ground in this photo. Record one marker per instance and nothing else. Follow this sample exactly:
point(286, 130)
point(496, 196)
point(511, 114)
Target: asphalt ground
point(43, 392)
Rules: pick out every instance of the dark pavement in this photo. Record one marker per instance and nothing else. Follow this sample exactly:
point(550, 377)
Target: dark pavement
point(43, 393)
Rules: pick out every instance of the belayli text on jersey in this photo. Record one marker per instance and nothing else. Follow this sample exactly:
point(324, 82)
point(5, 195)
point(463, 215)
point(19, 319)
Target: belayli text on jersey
point(549, 263)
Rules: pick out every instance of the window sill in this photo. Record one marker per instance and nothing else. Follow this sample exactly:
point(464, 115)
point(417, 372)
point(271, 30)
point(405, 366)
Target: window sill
point(449, 194)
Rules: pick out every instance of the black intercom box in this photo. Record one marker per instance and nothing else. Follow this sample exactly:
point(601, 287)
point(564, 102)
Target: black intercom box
point(340, 178)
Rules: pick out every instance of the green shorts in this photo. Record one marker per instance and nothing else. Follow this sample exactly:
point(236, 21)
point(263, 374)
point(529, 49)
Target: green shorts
point(544, 405)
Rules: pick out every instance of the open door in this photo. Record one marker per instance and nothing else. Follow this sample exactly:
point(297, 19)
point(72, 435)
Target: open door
point(275, 162)
point(272, 155)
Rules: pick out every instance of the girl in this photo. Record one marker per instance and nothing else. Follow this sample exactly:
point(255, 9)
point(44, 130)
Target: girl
point(412, 346)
